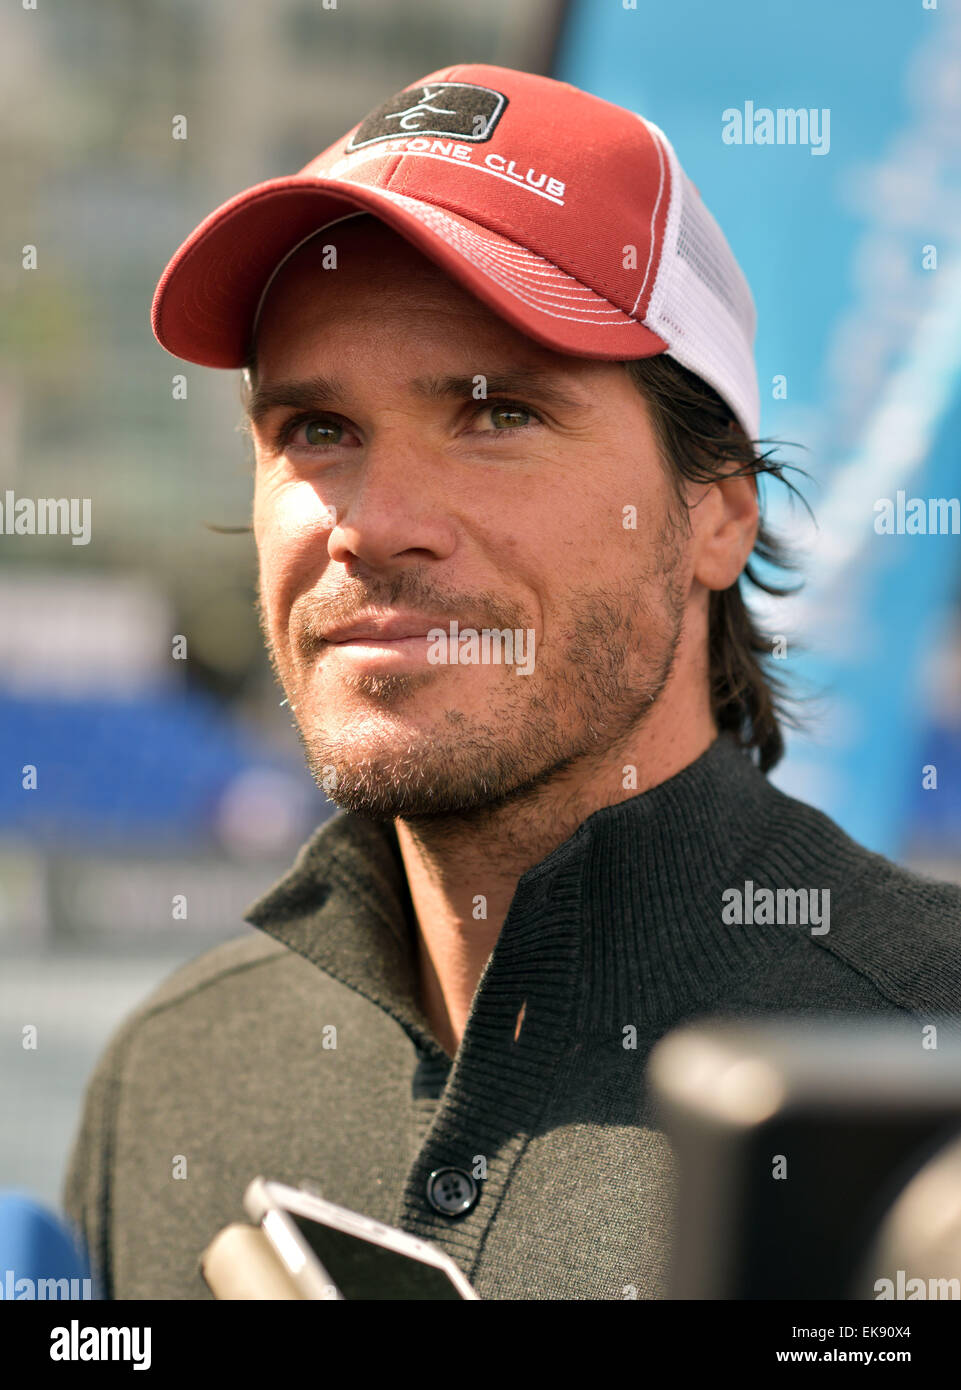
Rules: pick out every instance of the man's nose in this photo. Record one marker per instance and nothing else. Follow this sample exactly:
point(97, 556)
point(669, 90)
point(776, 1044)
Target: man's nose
point(395, 504)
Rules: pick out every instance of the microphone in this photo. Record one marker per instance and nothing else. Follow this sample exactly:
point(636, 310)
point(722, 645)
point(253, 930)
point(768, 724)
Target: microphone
point(818, 1157)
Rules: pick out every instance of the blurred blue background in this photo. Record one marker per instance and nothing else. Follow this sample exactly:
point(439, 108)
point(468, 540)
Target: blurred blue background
point(132, 674)
point(853, 258)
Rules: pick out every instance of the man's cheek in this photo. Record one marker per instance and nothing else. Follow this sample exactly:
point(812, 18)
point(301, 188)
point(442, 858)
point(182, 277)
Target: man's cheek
point(299, 509)
point(277, 589)
point(291, 538)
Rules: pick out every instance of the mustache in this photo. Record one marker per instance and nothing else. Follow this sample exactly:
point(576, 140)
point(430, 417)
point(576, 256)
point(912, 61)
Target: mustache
point(312, 613)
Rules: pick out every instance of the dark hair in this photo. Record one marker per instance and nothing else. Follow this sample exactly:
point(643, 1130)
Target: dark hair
point(700, 440)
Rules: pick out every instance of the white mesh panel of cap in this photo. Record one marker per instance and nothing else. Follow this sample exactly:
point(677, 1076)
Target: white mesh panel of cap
point(701, 304)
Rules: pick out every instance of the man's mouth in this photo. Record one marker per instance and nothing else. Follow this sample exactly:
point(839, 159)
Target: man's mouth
point(383, 629)
point(382, 638)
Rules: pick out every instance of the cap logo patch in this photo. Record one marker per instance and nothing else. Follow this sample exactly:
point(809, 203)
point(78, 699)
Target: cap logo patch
point(435, 108)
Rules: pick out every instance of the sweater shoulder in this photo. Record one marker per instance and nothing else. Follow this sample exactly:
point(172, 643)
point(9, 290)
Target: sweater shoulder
point(904, 922)
point(899, 928)
point(88, 1179)
point(218, 965)
point(855, 872)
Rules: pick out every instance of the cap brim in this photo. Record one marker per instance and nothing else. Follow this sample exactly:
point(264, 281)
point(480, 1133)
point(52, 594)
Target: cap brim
point(205, 302)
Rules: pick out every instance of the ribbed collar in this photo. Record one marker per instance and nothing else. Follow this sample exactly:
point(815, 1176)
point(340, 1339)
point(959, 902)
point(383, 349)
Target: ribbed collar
point(621, 921)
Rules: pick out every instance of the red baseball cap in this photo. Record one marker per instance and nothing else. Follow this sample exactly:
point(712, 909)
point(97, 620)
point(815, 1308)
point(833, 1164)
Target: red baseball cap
point(568, 216)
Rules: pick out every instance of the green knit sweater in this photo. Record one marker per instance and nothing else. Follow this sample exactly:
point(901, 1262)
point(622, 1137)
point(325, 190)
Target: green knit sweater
point(300, 1051)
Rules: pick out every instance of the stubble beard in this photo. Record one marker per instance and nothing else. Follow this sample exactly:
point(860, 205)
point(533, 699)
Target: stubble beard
point(580, 703)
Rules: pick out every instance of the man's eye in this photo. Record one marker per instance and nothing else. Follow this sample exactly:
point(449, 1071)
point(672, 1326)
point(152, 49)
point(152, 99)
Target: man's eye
point(320, 432)
point(323, 432)
point(310, 431)
point(508, 415)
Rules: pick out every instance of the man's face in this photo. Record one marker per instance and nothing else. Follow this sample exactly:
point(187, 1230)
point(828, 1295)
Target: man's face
point(395, 486)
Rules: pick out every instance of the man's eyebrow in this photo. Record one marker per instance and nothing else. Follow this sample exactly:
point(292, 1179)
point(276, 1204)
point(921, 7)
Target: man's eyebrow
point(307, 393)
point(319, 392)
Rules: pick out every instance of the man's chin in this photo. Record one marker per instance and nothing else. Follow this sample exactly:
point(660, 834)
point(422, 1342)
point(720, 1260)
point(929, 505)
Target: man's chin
point(387, 790)
point(389, 796)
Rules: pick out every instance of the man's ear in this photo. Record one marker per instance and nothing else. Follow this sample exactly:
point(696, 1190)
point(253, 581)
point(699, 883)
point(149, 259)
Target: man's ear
point(725, 521)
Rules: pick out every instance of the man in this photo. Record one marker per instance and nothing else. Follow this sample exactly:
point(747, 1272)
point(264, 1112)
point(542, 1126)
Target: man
point(499, 583)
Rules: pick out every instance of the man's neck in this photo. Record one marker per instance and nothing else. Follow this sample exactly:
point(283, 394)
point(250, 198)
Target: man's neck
point(463, 871)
